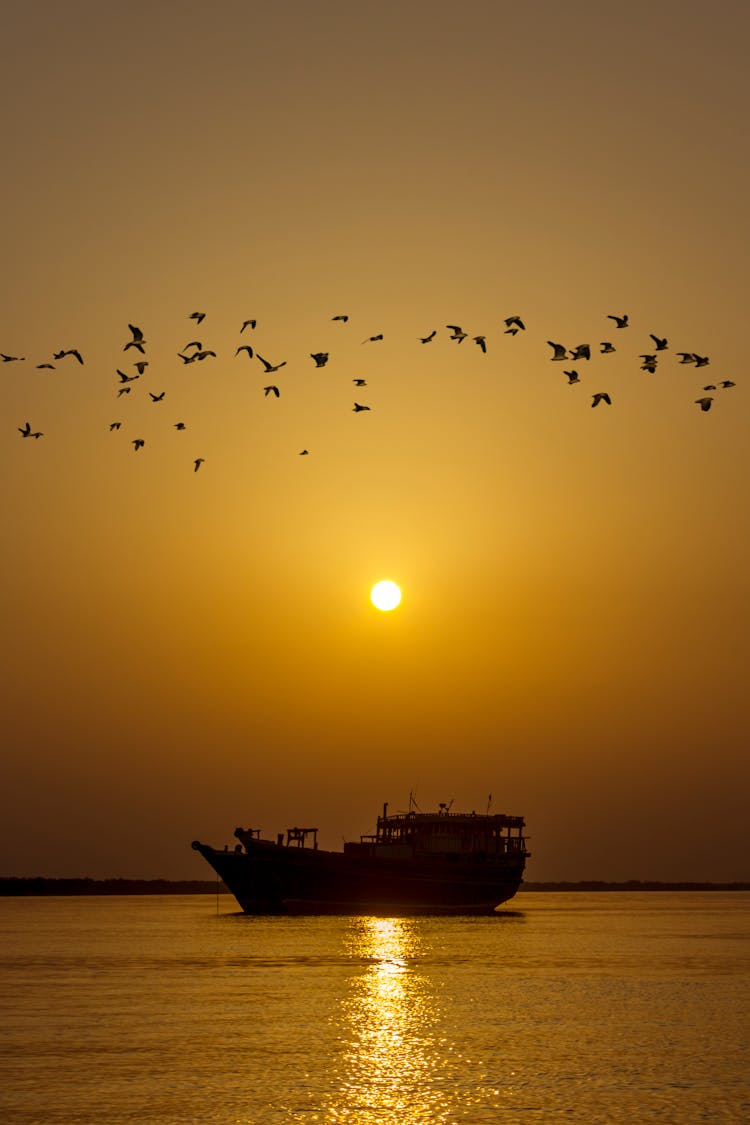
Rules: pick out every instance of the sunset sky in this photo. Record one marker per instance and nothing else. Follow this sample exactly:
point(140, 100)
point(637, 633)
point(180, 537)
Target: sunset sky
point(189, 651)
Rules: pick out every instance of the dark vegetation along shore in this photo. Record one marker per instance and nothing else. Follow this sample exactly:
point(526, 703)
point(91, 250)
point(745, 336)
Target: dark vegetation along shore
point(39, 885)
point(84, 886)
point(633, 885)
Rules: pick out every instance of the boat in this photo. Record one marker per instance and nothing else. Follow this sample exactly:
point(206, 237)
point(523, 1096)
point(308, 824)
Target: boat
point(414, 863)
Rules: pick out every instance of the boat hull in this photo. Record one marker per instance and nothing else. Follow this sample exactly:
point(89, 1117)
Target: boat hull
point(268, 879)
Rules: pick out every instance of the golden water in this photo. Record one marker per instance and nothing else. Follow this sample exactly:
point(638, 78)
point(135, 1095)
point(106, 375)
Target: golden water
point(580, 1008)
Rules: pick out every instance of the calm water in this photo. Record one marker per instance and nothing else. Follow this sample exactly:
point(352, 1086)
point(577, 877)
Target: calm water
point(577, 1008)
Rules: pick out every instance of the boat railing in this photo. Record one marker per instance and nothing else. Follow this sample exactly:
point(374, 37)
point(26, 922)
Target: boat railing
point(498, 820)
point(253, 833)
point(469, 842)
point(297, 837)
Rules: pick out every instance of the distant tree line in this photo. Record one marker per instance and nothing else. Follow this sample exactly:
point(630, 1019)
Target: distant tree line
point(633, 885)
point(41, 885)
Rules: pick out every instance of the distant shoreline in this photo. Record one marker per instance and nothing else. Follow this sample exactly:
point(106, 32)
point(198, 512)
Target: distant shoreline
point(633, 885)
point(16, 886)
point(41, 885)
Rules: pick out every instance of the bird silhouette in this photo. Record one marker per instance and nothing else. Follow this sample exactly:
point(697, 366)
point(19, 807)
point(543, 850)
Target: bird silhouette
point(180, 426)
point(245, 348)
point(481, 342)
point(342, 317)
point(157, 398)
point(69, 351)
point(704, 403)
point(372, 339)
point(304, 452)
point(267, 390)
point(359, 382)
point(358, 406)
point(559, 351)
point(727, 383)
point(124, 391)
point(457, 333)
point(709, 387)
point(701, 360)
point(138, 443)
point(620, 321)
point(270, 367)
point(660, 342)
point(649, 363)
point(193, 344)
point(426, 339)
point(514, 324)
point(141, 365)
point(114, 426)
point(606, 347)
point(137, 341)
point(12, 358)
point(321, 358)
point(686, 357)
point(573, 377)
point(197, 463)
point(248, 324)
point(197, 317)
point(581, 351)
point(126, 378)
point(601, 396)
point(48, 366)
point(200, 356)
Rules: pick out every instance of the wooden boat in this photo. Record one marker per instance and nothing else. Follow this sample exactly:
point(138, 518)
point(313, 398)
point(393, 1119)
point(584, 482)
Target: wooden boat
point(414, 863)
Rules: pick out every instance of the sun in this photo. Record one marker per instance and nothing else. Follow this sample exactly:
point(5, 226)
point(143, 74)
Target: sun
point(385, 595)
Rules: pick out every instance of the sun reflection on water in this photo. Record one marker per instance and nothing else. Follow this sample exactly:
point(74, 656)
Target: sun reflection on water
point(389, 1025)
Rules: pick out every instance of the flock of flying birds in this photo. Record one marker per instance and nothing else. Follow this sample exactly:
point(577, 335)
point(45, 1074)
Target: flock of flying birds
point(195, 352)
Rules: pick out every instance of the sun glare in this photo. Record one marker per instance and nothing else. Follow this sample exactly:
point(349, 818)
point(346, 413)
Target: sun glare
point(385, 595)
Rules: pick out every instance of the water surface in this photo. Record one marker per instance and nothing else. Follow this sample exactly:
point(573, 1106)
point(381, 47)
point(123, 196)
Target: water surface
point(605, 1007)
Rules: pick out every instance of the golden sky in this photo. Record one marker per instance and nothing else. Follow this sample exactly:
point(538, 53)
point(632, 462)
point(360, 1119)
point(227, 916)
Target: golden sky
point(188, 651)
